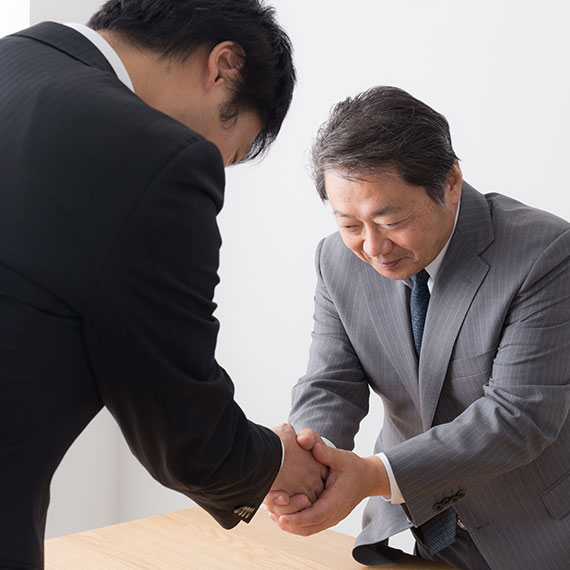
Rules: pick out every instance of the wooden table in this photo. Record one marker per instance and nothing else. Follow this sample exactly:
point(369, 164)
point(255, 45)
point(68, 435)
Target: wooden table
point(192, 540)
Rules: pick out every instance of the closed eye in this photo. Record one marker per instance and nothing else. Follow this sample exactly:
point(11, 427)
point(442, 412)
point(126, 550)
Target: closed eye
point(390, 225)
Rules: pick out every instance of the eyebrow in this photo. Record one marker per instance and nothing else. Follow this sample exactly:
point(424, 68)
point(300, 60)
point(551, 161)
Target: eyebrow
point(382, 212)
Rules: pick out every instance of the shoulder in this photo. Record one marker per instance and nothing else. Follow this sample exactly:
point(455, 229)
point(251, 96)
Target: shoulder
point(500, 228)
point(520, 244)
point(511, 216)
point(129, 144)
point(121, 120)
point(525, 233)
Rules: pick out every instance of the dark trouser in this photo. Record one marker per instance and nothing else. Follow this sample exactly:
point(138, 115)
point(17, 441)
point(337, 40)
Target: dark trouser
point(462, 554)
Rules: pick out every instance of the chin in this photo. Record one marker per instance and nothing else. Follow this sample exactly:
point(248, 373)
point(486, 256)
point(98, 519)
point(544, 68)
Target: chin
point(396, 275)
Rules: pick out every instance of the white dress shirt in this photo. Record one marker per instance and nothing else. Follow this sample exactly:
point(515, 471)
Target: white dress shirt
point(105, 48)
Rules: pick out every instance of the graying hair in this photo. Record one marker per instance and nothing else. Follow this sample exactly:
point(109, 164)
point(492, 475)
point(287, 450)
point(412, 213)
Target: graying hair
point(383, 130)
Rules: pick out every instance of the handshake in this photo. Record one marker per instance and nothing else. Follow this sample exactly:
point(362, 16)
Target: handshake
point(319, 485)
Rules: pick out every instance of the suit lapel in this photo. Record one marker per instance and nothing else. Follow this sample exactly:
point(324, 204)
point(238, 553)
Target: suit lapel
point(387, 303)
point(69, 41)
point(457, 283)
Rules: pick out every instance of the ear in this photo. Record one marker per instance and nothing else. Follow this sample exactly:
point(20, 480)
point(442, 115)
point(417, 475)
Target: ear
point(225, 62)
point(454, 184)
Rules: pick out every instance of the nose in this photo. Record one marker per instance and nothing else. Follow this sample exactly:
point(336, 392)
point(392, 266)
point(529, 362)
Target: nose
point(376, 244)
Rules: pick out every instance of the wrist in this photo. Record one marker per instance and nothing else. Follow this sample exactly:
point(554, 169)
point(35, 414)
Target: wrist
point(378, 484)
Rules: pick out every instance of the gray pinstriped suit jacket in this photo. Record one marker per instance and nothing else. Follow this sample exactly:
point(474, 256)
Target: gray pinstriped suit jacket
point(484, 415)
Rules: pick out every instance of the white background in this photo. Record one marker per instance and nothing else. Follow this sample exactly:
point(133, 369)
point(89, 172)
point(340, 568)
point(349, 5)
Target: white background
point(498, 70)
point(14, 15)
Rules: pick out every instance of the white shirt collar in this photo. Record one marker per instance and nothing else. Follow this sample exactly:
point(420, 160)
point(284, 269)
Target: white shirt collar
point(105, 48)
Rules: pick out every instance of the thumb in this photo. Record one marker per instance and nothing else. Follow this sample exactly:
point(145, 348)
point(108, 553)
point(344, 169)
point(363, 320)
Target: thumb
point(327, 455)
point(306, 439)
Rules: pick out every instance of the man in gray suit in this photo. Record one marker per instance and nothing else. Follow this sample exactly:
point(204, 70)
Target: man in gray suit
point(453, 307)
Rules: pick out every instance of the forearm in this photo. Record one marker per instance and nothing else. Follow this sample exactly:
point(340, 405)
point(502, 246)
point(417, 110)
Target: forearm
point(480, 445)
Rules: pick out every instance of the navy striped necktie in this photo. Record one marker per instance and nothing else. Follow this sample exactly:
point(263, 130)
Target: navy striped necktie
point(439, 532)
point(419, 300)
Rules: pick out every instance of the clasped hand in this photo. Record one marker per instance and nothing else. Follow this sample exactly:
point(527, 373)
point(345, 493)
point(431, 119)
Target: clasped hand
point(313, 494)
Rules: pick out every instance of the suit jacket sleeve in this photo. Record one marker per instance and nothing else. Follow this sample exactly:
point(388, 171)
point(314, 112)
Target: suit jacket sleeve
point(333, 397)
point(525, 404)
point(151, 336)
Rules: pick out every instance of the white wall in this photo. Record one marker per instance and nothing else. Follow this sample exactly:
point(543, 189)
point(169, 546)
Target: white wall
point(85, 490)
point(77, 11)
point(497, 70)
point(14, 15)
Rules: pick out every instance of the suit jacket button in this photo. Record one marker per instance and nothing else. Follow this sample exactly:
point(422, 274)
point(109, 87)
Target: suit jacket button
point(460, 494)
point(438, 507)
point(461, 524)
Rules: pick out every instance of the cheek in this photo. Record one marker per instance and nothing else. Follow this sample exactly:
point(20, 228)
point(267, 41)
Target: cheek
point(412, 240)
point(403, 241)
point(353, 243)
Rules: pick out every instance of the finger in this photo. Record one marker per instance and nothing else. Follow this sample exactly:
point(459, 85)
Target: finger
point(306, 439)
point(300, 502)
point(284, 429)
point(320, 489)
point(317, 514)
point(276, 498)
point(302, 531)
point(314, 493)
point(297, 503)
point(287, 524)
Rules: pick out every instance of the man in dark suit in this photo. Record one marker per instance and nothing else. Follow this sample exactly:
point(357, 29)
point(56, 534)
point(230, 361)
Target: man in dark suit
point(112, 153)
point(454, 308)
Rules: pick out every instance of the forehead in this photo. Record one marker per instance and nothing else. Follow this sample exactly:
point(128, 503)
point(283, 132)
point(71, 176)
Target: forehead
point(370, 194)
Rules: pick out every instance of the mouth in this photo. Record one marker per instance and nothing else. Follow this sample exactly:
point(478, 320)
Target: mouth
point(387, 264)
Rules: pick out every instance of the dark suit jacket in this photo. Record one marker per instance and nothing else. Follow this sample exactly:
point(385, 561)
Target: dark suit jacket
point(108, 263)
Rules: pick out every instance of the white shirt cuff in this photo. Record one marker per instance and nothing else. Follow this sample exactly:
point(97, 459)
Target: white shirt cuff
point(328, 442)
point(395, 497)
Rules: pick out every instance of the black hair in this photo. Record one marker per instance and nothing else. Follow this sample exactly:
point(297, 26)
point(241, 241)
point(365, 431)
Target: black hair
point(177, 28)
